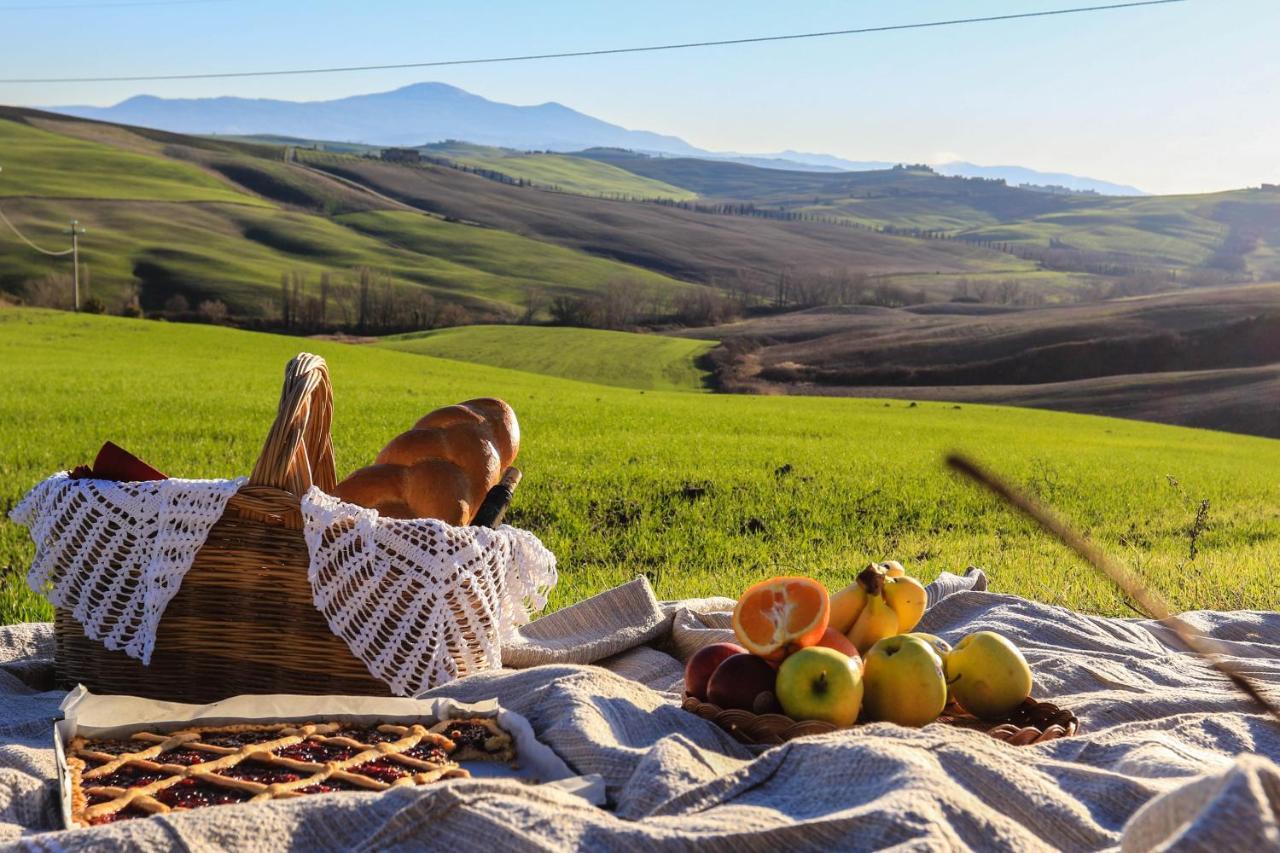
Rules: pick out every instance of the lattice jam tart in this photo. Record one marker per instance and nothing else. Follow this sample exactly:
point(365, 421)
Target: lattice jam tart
point(476, 739)
point(216, 765)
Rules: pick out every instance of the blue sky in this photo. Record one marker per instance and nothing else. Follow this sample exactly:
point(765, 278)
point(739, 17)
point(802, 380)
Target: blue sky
point(1180, 98)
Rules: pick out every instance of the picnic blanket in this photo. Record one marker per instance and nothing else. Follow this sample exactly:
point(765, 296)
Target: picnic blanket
point(1168, 753)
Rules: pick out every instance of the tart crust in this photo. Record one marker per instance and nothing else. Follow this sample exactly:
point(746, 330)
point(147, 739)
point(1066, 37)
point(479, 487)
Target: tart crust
point(96, 765)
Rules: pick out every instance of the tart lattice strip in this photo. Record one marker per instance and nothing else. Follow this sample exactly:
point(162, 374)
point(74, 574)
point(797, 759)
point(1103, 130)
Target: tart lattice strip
point(144, 796)
point(342, 770)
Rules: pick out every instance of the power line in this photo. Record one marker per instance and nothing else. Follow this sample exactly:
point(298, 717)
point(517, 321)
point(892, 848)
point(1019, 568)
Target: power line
point(602, 52)
point(91, 6)
point(23, 238)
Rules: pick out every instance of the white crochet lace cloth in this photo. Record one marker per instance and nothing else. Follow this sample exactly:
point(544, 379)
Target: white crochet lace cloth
point(114, 554)
point(418, 601)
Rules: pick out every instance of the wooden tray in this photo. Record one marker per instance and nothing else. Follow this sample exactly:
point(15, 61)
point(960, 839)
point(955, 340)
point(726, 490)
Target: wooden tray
point(1034, 721)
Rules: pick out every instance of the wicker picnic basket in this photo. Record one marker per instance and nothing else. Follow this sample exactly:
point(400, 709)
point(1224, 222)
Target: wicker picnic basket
point(244, 620)
point(1031, 722)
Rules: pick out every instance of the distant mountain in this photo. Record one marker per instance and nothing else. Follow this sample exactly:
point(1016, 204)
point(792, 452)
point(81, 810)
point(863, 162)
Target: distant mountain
point(1015, 175)
point(413, 115)
point(433, 112)
point(799, 161)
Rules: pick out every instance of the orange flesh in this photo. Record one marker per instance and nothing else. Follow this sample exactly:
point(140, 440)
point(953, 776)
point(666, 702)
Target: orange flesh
point(780, 611)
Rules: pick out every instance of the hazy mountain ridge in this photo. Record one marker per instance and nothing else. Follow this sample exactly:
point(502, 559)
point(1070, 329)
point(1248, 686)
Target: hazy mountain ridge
point(433, 112)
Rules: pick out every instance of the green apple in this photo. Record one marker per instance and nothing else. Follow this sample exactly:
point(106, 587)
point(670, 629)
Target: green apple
point(987, 675)
point(818, 683)
point(903, 681)
point(941, 646)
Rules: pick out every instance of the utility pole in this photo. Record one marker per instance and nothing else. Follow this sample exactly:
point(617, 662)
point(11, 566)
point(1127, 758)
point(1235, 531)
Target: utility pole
point(75, 231)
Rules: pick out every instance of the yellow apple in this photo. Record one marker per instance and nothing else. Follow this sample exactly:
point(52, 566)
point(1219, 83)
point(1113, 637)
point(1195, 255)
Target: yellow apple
point(987, 675)
point(941, 646)
point(818, 683)
point(903, 682)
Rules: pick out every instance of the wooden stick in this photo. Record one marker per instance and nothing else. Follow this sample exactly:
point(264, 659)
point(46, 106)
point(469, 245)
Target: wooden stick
point(1151, 603)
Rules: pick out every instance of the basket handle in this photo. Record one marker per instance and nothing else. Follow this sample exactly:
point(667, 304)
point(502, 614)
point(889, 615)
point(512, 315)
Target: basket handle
point(299, 450)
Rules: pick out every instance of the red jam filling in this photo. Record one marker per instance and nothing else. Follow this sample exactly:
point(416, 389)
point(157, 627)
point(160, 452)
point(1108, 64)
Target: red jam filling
point(382, 769)
point(314, 751)
point(116, 747)
point(235, 740)
point(428, 752)
point(468, 734)
point(127, 776)
point(127, 813)
point(256, 771)
point(369, 736)
point(195, 793)
point(183, 757)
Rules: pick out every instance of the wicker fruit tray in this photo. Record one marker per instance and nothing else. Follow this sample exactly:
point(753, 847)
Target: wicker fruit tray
point(1033, 721)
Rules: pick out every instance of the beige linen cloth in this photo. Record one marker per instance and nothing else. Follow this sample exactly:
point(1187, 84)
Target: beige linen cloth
point(1169, 757)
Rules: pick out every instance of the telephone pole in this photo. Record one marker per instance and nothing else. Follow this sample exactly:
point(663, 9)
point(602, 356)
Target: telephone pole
point(75, 231)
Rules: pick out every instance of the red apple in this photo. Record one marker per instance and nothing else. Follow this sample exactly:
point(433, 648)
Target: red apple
point(703, 662)
point(833, 639)
point(739, 680)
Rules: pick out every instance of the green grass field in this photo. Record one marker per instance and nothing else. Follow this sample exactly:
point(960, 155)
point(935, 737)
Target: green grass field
point(50, 165)
point(692, 490)
point(561, 171)
point(623, 359)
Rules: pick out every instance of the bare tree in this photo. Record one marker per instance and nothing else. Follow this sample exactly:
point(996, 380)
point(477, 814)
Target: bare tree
point(212, 310)
point(52, 291)
point(535, 300)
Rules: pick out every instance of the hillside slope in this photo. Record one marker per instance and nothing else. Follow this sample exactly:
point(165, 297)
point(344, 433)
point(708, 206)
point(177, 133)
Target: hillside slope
point(568, 174)
point(702, 493)
point(624, 359)
point(1204, 357)
point(683, 244)
point(169, 215)
point(1237, 231)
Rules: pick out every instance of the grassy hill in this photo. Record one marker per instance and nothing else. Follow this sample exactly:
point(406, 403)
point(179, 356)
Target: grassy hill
point(683, 244)
point(38, 163)
point(1161, 231)
point(627, 360)
point(702, 493)
point(216, 219)
point(560, 171)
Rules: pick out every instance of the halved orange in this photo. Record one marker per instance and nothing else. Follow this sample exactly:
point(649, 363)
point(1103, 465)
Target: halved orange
point(781, 612)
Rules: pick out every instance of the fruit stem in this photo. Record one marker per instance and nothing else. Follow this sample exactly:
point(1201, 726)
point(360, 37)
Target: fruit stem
point(820, 686)
point(872, 579)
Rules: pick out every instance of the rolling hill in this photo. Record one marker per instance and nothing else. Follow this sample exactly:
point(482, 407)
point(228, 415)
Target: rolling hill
point(683, 244)
point(1236, 231)
point(626, 360)
point(1206, 357)
point(702, 493)
point(170, 215)
point(560, 172)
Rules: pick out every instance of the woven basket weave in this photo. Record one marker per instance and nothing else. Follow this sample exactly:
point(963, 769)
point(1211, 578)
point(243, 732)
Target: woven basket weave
point(1032, 722)
point(244, 619)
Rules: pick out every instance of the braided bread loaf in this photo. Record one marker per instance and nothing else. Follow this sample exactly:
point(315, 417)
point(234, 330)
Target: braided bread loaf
point(443, 467)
